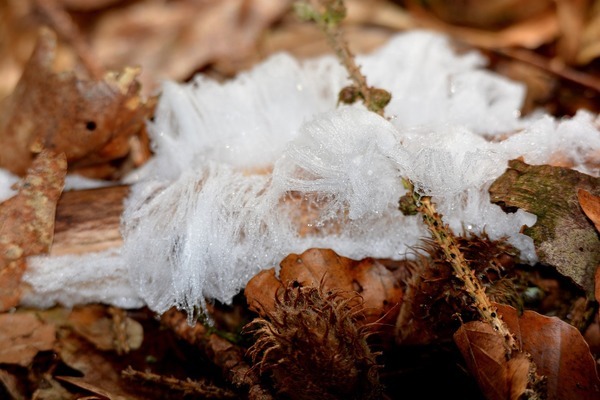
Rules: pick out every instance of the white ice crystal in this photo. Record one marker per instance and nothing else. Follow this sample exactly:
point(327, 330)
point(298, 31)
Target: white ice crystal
point(79, 279)
point(249, 171)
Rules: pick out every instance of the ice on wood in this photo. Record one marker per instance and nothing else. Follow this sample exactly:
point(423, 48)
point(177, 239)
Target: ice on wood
point(79, 279)
point(248, 171)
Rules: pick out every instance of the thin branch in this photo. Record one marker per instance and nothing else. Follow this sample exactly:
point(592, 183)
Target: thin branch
point(328, 15)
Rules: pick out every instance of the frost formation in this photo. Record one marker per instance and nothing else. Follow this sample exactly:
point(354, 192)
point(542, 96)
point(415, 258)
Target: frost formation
point(265, 165)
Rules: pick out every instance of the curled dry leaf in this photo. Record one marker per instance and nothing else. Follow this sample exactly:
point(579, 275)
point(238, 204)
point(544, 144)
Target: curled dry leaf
point(563, 236)
point(27, 222)
point(484, 352)
point(92, 122)
point(22, 336)
point(369, 278)
point(558, 350)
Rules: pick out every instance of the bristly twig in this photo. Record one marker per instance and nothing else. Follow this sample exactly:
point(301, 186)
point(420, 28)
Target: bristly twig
point(187, 387)
point(445, 239)
point(328, 14)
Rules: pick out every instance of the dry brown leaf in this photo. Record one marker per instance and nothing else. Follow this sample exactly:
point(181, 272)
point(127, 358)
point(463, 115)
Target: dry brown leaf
point(262, 290)
point(367, 277)
point(485, 354)
point(590, 205)
point(90, 121)
point(99, 373)
point(22, 336)
point(27, 222)
point(590, 43)
point(572, 15)
point(559, 352)
point(10, 281)
point(557, 349)
point(27, 219)
point(175, 39)
point(95, 325)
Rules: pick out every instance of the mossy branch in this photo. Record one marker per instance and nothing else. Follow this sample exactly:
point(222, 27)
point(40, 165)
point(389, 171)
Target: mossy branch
point(328, 15)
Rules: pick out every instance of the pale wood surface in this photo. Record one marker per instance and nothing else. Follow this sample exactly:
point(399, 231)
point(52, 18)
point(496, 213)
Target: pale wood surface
point(88, 220)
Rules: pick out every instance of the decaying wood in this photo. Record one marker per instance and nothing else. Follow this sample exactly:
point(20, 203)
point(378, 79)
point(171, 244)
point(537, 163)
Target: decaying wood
point(88, 220)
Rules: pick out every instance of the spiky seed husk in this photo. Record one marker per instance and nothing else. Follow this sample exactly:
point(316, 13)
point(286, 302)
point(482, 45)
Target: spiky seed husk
point(314, 346)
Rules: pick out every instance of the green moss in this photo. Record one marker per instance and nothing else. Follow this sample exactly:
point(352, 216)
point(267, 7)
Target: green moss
point(563, 236)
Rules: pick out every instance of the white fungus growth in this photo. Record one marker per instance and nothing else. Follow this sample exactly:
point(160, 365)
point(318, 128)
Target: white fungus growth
point(249, 171)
